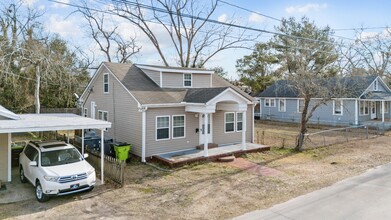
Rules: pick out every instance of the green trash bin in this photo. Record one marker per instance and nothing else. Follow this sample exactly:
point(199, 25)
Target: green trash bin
point(122, 151)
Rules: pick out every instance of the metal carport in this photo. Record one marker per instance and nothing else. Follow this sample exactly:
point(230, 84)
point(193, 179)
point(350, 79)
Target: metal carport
point(15, 123)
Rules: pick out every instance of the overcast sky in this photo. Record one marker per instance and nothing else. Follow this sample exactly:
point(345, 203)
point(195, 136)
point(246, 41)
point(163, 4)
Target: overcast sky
point(337, 14)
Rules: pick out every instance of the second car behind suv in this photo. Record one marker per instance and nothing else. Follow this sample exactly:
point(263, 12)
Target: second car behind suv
point(55, 168)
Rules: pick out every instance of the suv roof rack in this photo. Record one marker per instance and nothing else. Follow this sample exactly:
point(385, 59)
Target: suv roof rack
point(49, 143)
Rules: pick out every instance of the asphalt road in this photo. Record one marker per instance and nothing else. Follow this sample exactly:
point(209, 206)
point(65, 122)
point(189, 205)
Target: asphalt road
point(367, 196)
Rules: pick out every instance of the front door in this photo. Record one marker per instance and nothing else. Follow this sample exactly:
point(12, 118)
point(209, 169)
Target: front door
point(373, 110)
point(202, 128)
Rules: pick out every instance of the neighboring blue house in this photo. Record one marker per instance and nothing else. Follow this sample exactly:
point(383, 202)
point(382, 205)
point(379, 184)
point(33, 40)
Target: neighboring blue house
point(367, 99)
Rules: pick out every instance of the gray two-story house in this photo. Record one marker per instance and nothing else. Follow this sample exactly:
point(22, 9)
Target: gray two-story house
point(168, 109)
point(367, 98)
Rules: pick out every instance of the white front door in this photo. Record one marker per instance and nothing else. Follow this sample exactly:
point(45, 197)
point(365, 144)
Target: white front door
point(93, 106)
point(202, 128)
point(373, 110)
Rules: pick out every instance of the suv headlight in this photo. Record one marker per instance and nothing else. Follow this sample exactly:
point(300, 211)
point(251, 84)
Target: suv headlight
point(51, 178)
point(90, 172)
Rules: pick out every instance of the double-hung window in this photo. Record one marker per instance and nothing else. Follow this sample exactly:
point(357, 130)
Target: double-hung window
point(106, 83)
point(270, 103)
point(229, 122)
point(300, 105)
point(386, 107)
point(239, 121)
point(337, 107)
point(281, 105)
point(103, 115)
point(178, 126)
point(187, 80)
point(364, 108)
point(162, 127)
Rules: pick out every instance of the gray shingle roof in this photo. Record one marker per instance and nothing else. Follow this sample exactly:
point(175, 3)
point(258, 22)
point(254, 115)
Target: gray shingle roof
point(147, 92)
point(203, 95)
point(352, 87)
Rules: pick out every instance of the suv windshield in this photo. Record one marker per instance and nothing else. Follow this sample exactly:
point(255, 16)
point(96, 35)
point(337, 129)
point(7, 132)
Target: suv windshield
point(59, 157)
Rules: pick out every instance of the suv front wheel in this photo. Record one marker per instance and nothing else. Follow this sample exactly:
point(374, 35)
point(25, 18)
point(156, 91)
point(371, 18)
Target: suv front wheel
point(41, 197)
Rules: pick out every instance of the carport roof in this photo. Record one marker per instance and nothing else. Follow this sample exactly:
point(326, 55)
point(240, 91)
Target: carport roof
point(50, 122)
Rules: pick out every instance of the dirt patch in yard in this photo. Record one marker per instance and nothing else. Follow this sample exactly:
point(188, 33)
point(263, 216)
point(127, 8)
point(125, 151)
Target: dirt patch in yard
point(214, 190)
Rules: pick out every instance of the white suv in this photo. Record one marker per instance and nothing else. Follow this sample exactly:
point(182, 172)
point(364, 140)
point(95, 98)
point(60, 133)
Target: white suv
point(55, 168)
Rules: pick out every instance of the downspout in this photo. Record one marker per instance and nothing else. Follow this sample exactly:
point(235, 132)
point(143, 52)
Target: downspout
point(143, 110)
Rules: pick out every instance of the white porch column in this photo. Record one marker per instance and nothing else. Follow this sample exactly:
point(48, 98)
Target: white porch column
point(244, 125)
point(144, 132)
point(252, 123)
point(68, 136)
point(206, 134)
point(382, 111)
point(9, 158)
point(102, 162)
point(82, 142)
point(356, 112)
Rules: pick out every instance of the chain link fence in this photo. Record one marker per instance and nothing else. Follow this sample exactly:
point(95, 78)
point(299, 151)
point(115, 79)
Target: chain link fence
point(317, 137)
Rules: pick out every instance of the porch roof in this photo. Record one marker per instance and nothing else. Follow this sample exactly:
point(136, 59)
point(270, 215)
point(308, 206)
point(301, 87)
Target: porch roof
point(377, 95)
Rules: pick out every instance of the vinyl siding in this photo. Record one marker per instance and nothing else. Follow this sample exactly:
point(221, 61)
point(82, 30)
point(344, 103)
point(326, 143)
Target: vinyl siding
point(4, 157)
point(154, 75)
point(322, 115)
point(172, 80)
point(125, 118)
point(201, 80)
point(175, 80)
point(222, 138)
point(190, 141)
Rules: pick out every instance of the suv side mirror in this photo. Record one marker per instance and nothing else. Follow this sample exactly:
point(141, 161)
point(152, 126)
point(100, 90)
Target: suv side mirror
point(85, 156)
point(33, 163)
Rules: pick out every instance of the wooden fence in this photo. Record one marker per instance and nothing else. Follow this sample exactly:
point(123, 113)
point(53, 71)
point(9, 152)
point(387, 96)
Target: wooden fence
point(114, 169)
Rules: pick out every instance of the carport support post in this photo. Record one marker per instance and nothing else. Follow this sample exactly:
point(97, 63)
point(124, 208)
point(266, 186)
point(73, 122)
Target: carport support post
point(82, 142)
point(68, 136)
point(102, 162)
point(206, 135)
point(244, 125)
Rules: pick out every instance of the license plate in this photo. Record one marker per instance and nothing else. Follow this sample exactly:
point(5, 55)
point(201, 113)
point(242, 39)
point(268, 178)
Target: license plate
point(75, 186)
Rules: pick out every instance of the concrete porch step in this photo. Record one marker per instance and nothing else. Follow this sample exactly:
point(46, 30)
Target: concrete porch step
point(226, 159)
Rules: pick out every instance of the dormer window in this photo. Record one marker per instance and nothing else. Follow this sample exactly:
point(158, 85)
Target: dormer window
point(187, 80)
point(106, 83)
point(375, 85)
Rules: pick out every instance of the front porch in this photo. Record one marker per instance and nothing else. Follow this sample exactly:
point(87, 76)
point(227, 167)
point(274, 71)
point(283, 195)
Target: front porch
point(179, 158)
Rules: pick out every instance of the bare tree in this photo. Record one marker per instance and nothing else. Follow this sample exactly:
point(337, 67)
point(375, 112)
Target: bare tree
point(110, 42)
point(194, 39)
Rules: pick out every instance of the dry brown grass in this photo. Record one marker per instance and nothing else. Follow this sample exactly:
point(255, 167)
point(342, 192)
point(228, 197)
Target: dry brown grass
point(215, 190)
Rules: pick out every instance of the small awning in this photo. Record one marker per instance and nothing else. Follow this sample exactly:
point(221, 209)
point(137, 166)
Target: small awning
point(50, 122)
point(377, 95)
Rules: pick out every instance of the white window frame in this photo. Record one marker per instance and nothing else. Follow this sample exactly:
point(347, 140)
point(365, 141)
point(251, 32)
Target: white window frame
point(101, 114)
point(85, 112)
point(191, 79)
point(225, 122)
point(334, 102)
point(237, 121)
point(104, 83)
point(268, 102)
point(279, 105)
point(184, 127)
point(298, 105)
point(365, 105)
point(386, 107)
point(169, 126)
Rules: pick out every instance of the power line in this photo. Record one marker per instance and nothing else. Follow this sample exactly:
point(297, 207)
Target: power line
point(199, 18)
point(248, 10)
